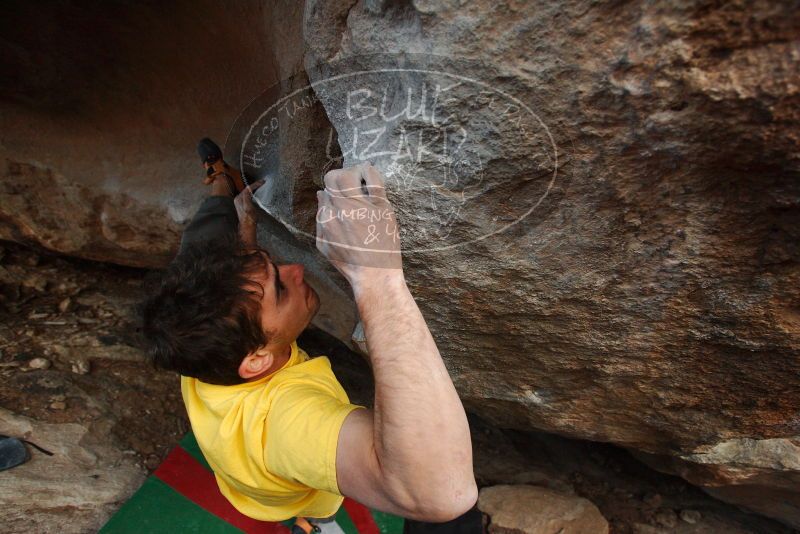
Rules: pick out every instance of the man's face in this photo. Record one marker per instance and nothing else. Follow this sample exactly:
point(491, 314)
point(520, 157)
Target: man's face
point(288, 304)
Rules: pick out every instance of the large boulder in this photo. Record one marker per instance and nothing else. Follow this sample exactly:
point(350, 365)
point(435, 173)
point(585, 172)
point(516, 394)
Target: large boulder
point(604, 244)
point(617, 257)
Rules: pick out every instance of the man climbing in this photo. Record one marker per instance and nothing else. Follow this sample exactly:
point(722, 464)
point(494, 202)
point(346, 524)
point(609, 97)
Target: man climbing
point(275, 425)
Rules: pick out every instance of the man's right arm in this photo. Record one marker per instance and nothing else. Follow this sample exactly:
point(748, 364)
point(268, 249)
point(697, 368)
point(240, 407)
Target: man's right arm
point(412, 455)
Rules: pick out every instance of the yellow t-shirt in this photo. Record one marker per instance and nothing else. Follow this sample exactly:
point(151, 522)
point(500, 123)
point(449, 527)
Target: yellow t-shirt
point(272, 442)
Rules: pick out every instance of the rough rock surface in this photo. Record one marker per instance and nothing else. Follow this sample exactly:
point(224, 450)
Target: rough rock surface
point(535, 510)
point(649, 299)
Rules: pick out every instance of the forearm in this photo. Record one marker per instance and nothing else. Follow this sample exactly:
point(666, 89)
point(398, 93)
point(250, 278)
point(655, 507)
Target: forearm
point(421, 434)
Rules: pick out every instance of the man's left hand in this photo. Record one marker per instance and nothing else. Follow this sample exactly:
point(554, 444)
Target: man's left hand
point(247, 213)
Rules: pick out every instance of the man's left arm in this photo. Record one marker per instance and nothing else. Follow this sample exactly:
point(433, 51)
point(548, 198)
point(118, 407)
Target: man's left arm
point(246, 210)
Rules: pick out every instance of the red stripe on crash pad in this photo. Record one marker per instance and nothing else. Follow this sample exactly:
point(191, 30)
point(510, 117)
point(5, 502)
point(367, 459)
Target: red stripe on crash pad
point(361, 517)
point(186, 476)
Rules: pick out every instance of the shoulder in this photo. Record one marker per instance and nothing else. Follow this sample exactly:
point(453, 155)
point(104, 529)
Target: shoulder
point(312, 377)
point(303, 424)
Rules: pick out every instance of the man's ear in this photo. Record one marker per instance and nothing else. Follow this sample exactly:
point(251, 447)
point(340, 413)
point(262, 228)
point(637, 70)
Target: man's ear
point(256, 363)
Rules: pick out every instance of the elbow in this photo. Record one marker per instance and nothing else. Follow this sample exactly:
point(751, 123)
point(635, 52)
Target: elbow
point(444, 510)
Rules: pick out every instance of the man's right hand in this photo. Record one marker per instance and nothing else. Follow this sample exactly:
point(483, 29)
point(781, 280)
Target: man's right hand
point(356, 225)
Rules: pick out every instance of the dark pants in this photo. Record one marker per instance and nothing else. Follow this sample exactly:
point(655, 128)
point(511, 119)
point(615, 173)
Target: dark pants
point(215, 219)
point(469, 523)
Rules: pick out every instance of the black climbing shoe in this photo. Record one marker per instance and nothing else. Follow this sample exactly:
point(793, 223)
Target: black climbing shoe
point(13, 452)
point(216, 167)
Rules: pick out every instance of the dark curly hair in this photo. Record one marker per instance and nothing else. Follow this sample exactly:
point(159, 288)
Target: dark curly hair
point(203, 315)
